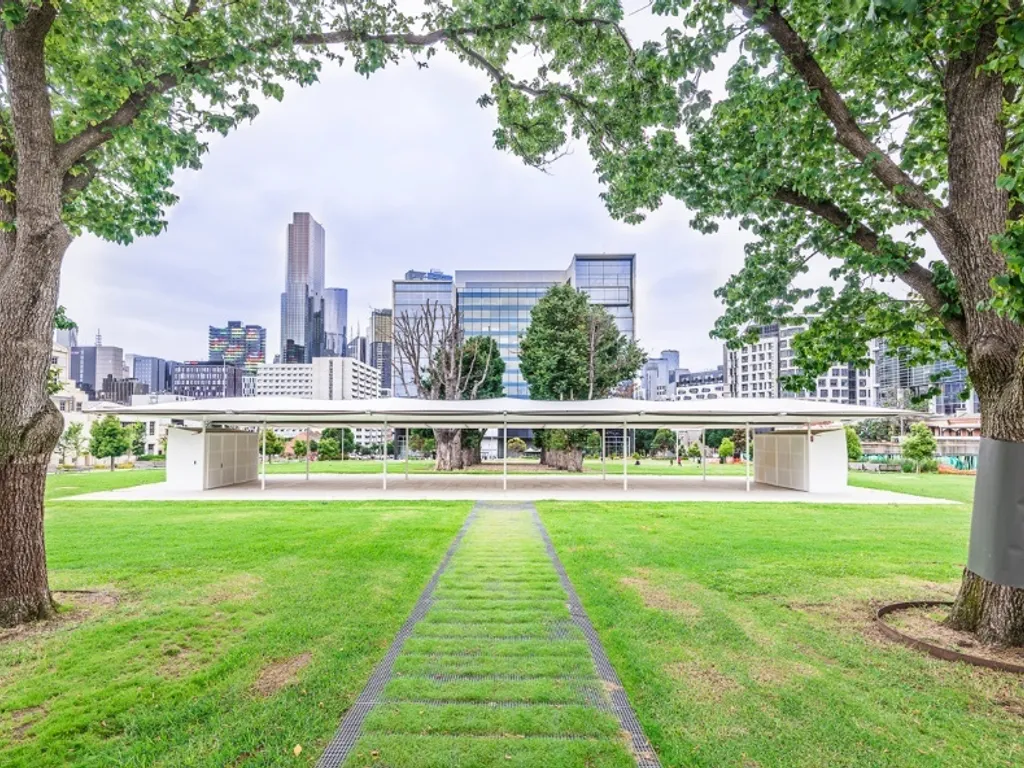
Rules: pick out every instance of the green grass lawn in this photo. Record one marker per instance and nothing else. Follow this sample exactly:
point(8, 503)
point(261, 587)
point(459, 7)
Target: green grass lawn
point(953, 487)
point(74, 483)
point(742, 633)
point(498, 634)
point(215, 602)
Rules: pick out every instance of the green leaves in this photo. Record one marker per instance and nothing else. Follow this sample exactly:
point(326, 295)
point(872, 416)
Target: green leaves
point(573, 350)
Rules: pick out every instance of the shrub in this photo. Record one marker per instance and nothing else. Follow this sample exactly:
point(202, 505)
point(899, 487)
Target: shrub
point(929, 465)
point(853, 447)
point(908, 466)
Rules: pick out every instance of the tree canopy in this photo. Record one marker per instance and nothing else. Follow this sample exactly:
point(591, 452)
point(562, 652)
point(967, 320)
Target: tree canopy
point(920, 444)
point(108, 439)
point(572, 350)
point(867, 135)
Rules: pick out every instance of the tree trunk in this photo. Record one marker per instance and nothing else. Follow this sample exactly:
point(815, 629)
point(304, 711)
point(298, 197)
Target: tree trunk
point(994, 610)
point(449, 449)
point(30, 424)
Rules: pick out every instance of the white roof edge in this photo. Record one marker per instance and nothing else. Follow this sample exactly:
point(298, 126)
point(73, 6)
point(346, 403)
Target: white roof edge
point(608, 412)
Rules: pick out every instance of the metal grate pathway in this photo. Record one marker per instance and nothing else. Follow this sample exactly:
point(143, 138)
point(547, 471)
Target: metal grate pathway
point(497, 662)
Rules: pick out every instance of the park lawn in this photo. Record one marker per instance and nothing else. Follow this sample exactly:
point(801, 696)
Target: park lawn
point(742, 633)
point(201, 601)
point(64, 484)
point(952, 487)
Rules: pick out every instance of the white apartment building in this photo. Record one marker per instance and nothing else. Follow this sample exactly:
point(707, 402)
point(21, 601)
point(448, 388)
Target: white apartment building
point(759, 370)
point(326, 378)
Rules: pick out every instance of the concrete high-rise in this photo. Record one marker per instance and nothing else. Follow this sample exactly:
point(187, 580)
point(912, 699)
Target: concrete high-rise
point(417, 295)
point(303, 298)
point(91, 365)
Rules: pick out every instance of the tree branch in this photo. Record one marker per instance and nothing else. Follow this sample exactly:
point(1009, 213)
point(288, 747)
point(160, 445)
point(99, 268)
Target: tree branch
point(916, 276)
point(849, 134)
point(72, 150)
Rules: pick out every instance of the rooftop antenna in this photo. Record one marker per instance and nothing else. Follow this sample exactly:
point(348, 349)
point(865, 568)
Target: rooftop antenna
point(99, 338)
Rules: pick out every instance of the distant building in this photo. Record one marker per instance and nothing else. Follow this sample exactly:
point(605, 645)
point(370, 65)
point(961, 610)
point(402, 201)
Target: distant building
point(241, 345)
point(155, 433)
point(901, 385)
point(760, 369)
point(249, 385)
point(304, 287)
point(326, 378)
point(708, 384)
point(358, 349)
point(69, 398)
point(410, 298)
point(91, 365)
point(658, 376)
point(151, 371)
point(65, 337)
point(206, 378)
point(497, 303)
point(335, 322)
point(380, 341)
point(117, 390)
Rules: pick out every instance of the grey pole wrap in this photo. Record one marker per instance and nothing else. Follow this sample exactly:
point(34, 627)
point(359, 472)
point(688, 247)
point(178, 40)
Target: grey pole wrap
point(997, 524)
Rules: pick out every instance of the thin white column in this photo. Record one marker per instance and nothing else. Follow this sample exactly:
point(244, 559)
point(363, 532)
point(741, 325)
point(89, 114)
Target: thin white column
point(704, 453)
point(309, 449)
point(343, 443)
point(746, 450)
point(406, 449)
point(625, 458)
point(504, 456)
point(384, 449)
point(604, 474)
point(676, 461)
point(263, 464)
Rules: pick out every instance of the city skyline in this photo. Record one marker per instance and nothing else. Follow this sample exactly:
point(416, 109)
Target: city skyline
point(223, 252)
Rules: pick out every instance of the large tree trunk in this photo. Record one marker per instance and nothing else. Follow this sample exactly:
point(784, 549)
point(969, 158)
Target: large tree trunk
point(991, 599)
point(449, 449)
point(30, 424)
point(993, 607)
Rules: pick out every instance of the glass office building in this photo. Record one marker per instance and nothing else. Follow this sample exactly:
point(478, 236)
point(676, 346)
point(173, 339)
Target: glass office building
point(412, 297)
point(497, 303)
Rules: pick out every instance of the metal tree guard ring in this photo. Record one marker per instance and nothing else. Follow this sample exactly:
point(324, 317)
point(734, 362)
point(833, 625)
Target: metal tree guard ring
point(935, 650)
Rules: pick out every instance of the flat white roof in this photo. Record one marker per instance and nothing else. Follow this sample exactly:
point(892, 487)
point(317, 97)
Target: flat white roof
point(612, 412)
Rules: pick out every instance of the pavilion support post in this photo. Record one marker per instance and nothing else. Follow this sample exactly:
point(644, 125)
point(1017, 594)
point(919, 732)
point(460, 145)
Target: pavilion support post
point(625, 457)
point(309, 449)
point(676, 458)
point(263, 463)
point(384, 450)
point(405, 448)
point(746, 451)
point(504, 456)
point(704, 453)
point(604, 469)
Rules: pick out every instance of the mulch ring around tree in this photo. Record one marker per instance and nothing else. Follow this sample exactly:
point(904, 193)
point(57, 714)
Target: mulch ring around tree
point(919, 624)
point(75, 607)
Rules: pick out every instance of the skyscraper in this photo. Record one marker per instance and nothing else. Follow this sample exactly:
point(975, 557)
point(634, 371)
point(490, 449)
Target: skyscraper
point(302, 302)
point(335, 322)
point(151, 371)
point(241, 345)
point(382, 328)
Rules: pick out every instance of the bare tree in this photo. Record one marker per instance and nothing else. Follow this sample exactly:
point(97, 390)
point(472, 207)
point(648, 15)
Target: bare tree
point(434, 360)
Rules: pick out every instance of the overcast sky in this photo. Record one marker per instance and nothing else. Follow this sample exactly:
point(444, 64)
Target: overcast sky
point(401, 171)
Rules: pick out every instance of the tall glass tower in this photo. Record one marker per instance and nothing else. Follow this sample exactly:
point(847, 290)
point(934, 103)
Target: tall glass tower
point(335, 322)
point(302, 303)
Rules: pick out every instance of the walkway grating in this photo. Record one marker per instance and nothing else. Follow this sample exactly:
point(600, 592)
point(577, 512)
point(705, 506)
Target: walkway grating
point(497, 664)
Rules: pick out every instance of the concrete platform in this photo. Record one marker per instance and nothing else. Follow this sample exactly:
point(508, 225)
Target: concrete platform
point(469, 487)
